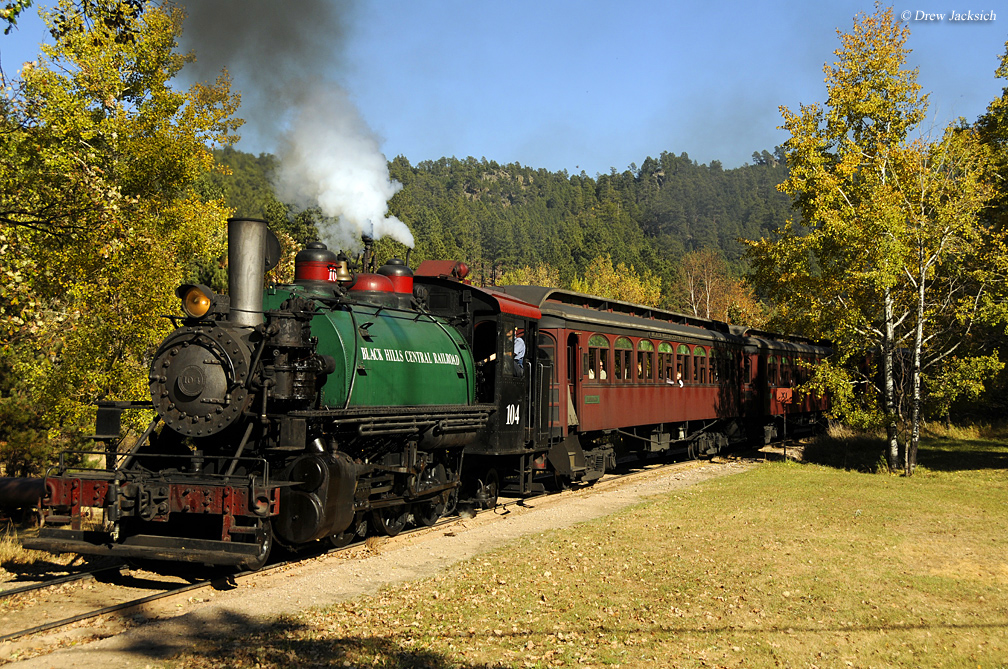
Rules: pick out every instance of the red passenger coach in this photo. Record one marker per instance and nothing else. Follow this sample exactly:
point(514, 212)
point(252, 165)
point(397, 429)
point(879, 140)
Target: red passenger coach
point(776, 365)
point(598, 379)
point(631, 378)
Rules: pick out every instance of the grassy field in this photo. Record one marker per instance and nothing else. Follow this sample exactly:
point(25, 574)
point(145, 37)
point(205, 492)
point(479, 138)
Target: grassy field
point(801, 565)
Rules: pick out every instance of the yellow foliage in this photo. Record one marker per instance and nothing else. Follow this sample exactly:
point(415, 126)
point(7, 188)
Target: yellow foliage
point(99, 204)
point(619, 282)
point(540, 275)
point(890, 253)
point(705, 288)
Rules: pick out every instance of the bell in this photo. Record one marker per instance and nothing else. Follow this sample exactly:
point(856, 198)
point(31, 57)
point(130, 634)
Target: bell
point(342, 269)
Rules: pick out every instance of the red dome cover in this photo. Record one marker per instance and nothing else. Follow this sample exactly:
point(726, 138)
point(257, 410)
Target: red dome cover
point(372, 282)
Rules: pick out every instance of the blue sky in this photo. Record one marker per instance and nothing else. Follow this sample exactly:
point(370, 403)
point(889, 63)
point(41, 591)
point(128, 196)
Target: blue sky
point(590, 85)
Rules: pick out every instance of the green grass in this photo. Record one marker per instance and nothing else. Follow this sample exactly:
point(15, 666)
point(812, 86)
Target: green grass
point(784, 565)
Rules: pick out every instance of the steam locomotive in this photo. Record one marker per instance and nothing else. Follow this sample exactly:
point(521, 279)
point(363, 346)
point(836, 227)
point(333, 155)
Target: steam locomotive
point(375, 398)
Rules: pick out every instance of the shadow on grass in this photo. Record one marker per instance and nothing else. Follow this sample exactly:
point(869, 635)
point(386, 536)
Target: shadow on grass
point(239, 641)
point(866, 453)
point(944, 454)
point(862, 452)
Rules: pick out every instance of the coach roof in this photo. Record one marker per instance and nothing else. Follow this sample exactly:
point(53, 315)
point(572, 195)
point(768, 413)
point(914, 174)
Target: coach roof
point(591, 309)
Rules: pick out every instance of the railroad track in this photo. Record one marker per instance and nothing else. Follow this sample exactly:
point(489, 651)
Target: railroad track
point(137, 602)
point(59, 580)
point(124, 608)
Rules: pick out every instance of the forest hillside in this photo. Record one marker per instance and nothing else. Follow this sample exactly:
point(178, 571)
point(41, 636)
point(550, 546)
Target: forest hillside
point(502, 217)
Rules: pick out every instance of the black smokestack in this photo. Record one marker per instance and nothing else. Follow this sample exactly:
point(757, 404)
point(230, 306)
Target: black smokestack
point(283, 58)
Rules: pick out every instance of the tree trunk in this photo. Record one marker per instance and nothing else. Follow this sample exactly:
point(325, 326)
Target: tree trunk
point(915, 412)
point(888, 383)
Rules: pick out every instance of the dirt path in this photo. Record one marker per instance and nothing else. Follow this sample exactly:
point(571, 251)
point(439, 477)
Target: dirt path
point(178, 626)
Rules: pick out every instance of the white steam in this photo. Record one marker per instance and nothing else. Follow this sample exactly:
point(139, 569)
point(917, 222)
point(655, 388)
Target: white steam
point(283, 60)
point(330, 157)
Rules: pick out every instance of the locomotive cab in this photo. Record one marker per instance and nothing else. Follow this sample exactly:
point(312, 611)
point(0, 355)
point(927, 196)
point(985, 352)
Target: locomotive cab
point(512, 376)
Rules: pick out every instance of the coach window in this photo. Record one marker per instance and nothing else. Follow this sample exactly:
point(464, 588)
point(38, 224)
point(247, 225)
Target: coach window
point(598, 357)
point(771, 371)
point(785, 372)
point(666, 361)
point(683, 363)
point(645, 360)
point(715, 366)
point(624, 354)
point(699, 365)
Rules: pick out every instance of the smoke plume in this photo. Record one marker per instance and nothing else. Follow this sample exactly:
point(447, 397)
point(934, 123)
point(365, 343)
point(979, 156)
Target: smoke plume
point(329, 157)
point(283, 58)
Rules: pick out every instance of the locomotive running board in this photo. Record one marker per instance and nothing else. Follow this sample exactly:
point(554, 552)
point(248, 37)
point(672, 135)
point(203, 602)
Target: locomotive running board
point(375, 421)
point(146, 546)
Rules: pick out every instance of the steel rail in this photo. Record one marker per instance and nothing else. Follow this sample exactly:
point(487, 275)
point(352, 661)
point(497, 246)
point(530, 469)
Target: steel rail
point(56, 581)
point(100, 612)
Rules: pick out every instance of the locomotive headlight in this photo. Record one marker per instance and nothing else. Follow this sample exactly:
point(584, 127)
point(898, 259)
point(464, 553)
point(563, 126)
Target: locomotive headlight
point(196, 300)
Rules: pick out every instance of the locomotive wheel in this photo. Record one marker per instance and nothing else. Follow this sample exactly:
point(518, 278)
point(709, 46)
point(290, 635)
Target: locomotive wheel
point(257, 563)
point(341, 539)
point(344, 538)
point(452, 503)
point(389, 521)
point(429, 512)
